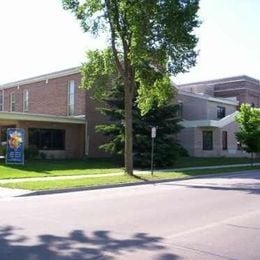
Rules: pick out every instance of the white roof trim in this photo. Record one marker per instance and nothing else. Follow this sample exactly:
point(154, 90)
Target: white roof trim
point(222, 81)
point(48, 76)
point(210, 123)
point(209, 98)
point(41, 118)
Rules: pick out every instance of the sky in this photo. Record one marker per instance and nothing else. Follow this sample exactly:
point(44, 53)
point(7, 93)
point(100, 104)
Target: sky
point(39, 37)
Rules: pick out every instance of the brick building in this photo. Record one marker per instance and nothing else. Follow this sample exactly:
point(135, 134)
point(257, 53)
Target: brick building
point(60, 119)
point(57, 116)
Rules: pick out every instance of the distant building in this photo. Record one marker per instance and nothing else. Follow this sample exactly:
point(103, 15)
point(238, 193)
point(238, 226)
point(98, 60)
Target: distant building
point(208, 112)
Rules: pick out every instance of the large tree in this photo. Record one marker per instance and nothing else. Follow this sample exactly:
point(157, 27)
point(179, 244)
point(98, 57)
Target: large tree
point(249, 128)
point(165, 118)
point(146, 37)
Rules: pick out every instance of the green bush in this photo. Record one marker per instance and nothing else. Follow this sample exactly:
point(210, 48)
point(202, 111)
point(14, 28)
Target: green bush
point(31, 152)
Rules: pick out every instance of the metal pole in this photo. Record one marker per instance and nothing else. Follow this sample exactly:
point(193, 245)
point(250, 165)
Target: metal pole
point(152, 156)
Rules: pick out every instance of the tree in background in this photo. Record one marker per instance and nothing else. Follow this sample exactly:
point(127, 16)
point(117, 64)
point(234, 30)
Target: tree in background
point(166, 118)
point(249, 129)
point(149, 41)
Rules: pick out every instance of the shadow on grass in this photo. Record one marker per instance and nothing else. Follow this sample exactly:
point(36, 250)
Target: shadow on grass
point(76, 245)
point(45, 166)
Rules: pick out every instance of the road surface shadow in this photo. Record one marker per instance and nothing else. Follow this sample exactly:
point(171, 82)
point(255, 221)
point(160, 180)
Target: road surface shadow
point(75, 246)
point(248, 187)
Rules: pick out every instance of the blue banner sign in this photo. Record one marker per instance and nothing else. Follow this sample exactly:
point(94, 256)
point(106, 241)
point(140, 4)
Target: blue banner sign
point(15, 146)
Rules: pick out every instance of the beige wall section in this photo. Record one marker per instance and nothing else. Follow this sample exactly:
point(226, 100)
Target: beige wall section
point(193, 108)
point(192, 141)
point(212, 108)
point(186, 138)
point(74, 138)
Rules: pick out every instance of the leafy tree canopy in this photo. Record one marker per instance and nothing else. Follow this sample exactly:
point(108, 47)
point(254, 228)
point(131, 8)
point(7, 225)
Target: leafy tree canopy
point(146, 37)
point(149, 40)
point(249, 128)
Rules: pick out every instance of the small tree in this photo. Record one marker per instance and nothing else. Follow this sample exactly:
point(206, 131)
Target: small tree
point(165, 118)
point(249, 129)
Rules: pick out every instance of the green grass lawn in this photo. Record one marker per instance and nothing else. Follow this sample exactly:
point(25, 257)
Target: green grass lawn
point(106, 180)
point(47, 168)
point(195, 161)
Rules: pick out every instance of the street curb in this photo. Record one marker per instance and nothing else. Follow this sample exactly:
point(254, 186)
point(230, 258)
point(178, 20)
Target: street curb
point(120, 185)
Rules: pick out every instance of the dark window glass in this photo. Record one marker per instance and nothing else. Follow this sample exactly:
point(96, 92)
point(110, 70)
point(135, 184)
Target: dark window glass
point(47, 139)
point(207, 140)
point(221, 112)
point(4, 132)
point(224, 140)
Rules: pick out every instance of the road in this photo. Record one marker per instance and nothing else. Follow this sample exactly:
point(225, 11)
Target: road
point(207, 218)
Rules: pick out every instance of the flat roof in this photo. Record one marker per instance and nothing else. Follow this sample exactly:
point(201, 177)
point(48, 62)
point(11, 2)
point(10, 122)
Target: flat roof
point(41, 118)
point(221, 81)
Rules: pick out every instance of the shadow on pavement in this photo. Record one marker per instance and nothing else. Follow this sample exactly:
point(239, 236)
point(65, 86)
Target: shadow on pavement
point(77, 245)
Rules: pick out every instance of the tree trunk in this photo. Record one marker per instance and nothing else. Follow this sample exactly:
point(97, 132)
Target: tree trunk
point(252, 159)
point(128, 129)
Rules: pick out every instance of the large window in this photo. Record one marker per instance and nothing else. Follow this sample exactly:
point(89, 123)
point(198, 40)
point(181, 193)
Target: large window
point(207, 140)
point(25, 100)
point(221, 112)
point(47, 139)
point(12, 101)
point(71, 97)
point(224, 140)
point(1, 100)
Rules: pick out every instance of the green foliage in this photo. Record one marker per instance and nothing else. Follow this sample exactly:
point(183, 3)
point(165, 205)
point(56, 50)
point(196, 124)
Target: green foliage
point(31, 152)
point(165, 118)
point(149, 42)
point(146, 37)
point(249, 128)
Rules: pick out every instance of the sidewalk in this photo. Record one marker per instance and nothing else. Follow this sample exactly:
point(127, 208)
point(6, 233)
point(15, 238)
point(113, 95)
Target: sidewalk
point(117, 174)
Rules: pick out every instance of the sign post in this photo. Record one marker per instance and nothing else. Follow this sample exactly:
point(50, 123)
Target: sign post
point(15, 146)
point(153, 135)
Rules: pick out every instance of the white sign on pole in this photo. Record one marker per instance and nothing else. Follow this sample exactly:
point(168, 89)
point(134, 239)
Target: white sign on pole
point(153, 132)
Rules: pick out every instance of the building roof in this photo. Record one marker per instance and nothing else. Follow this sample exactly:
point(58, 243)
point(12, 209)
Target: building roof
point(42, 118)
point(227, 101)
point(48, 76)
point(210, 123)
point(221, 81)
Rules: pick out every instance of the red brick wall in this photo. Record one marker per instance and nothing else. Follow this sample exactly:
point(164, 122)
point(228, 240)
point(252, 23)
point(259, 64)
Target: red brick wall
point(50, 97)
point(47, 97)
point(74, 138)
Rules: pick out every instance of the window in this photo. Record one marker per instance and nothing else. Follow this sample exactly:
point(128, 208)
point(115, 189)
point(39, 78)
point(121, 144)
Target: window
point(25, 100)
point(221, 112)
point(71, 97)
point(207, 140)
point(224, 140)
point(47, 139)
point(180, 110)
point(12, 101)
point(3, 132)
point(1, 101)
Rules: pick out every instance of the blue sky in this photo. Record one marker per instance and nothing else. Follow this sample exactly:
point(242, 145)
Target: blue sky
point(39, 37)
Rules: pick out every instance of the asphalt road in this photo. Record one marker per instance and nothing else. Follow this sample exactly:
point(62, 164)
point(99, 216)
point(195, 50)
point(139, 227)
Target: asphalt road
point(209, 218)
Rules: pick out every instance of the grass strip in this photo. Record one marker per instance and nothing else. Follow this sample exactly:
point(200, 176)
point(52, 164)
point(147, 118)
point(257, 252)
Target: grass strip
point(47, 168)
point(108, 180)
